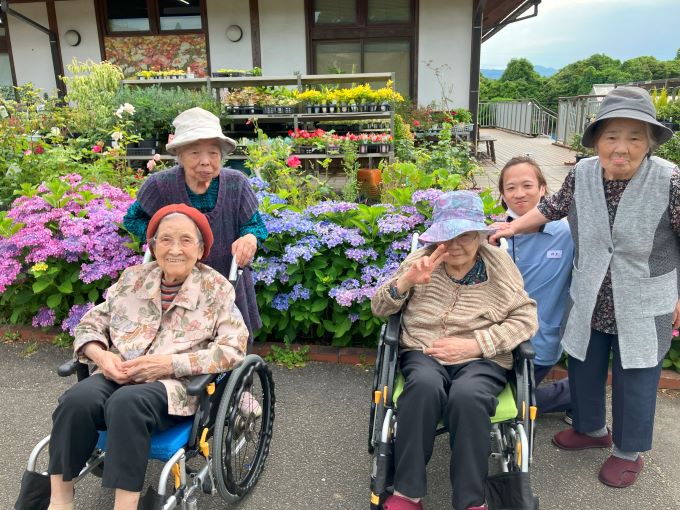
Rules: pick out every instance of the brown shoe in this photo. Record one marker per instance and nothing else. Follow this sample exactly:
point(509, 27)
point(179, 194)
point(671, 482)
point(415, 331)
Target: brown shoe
point(620, 473)
point(569, 439)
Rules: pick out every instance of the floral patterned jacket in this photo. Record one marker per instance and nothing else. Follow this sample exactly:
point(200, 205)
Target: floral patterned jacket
point(203, 329)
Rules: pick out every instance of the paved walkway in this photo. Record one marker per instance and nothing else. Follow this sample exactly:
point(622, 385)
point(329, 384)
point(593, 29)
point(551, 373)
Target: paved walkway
point(318, 457)
point(550, 157)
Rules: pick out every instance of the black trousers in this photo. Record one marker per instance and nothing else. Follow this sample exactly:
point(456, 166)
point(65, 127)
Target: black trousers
point(130, 414)
point(464, 396)
point(633, 394)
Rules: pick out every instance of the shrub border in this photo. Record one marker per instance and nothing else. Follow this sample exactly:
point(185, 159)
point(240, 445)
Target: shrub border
point(670, 380)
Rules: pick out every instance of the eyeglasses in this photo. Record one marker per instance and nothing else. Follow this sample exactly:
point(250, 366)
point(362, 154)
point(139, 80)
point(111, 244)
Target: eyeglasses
point(465, 238)
point(168, 242)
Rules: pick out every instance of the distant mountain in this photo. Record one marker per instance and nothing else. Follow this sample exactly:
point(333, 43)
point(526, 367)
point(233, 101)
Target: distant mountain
point(495, 74)
point(546, 72)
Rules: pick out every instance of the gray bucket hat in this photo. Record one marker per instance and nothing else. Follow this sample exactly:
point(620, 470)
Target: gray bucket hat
point(627, 103)
point(198, 124)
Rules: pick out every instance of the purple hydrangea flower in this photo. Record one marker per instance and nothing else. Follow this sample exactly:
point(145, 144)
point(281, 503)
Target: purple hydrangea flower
point(304, 249)
point(74, 316)
point(44, 318)
point(361, 255)
point(330, 206)
point(269, 270)
point(426, 195)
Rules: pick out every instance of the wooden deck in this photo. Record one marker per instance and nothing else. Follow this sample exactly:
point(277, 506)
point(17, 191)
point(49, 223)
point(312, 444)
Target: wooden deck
point(551, 158)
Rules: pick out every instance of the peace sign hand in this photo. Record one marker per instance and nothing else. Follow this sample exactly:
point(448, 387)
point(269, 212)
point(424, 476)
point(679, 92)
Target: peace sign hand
point(420, 272)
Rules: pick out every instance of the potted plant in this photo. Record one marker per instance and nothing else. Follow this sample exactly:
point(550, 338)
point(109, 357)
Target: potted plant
point(581, 151)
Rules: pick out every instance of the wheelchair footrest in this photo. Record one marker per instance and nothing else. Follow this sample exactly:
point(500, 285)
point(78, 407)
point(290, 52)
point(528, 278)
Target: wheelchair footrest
point(163, 444)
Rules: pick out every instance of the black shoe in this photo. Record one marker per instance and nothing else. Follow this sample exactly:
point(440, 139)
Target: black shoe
point(568, 417)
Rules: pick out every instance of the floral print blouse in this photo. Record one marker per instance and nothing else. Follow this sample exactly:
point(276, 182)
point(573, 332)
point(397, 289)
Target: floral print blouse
point(557, 206)
point(202, 329)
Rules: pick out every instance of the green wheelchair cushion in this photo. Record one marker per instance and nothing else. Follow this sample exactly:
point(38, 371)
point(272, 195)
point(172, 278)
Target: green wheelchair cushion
point(505, 410)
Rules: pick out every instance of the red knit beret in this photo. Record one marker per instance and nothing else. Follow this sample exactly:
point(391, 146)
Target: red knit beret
point(197, 216)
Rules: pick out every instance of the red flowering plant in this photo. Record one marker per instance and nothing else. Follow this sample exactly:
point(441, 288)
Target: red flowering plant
point(308, 141)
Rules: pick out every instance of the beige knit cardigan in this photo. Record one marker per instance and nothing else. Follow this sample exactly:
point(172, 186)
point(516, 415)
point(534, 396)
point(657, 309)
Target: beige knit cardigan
point(497, 313)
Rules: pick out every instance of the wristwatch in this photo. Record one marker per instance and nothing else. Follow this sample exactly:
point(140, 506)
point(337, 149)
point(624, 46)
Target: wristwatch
point(394, 292)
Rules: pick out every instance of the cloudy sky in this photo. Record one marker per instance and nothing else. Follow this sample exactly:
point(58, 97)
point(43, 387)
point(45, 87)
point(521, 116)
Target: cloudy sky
point(568, 30)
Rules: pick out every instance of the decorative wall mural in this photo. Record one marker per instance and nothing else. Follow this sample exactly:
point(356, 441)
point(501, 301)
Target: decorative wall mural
point(158, 52)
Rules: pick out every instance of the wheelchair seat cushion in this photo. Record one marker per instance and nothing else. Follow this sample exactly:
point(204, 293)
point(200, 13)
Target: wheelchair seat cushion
point(505, 410)
point(163, 444)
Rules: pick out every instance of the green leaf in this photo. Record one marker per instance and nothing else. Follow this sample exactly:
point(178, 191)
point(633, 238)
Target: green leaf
point(40, 285)
point(23, 297)
point(319, 304)
point(54, 300)
point(93, 295)
point(65, 287)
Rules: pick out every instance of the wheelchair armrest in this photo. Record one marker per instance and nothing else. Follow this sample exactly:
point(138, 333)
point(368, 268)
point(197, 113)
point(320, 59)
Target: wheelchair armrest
point(393, 329)
point(70, 367)
point(198, 383)
point(525, 350)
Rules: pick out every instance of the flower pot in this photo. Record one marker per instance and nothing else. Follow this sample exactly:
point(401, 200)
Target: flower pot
point(324, 108)
point(331, 108)
point(333, 149)
point(279, 109)
point(370, 180)
point(353, 108)
point(317, 108)
point(343, 107)
point(385, 107)
point(309, 108)
point(384, 148)
point(363, 148)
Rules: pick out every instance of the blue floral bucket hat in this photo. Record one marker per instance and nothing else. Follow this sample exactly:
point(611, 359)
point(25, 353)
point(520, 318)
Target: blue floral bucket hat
point(456, 213)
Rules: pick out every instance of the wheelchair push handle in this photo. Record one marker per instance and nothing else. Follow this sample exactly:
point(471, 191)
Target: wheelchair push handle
point(235, 273)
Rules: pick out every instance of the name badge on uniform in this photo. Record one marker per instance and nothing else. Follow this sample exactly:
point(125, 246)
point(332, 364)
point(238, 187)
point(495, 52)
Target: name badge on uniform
point(554, 254)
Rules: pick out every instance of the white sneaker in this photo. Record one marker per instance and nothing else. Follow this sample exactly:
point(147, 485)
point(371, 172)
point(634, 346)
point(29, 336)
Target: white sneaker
point(249, 405)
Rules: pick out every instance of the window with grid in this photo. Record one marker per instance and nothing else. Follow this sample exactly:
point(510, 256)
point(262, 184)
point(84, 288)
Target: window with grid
point(152, 16)
point(364, 36)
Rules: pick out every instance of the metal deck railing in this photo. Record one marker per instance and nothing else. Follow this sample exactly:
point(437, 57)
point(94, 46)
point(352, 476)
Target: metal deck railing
point(525, 117)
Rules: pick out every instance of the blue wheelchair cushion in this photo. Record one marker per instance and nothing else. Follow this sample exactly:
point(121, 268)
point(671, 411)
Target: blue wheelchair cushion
point(163, 444)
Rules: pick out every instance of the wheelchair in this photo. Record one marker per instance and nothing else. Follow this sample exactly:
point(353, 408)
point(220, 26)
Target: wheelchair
point(229, 467)
point(512, 432)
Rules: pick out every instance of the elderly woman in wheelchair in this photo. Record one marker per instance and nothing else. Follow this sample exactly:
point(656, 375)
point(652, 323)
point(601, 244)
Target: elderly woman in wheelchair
point(161, 323)
point(466, 310)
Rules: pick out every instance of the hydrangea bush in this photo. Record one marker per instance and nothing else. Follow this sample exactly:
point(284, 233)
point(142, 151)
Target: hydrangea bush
point(320, 267)
point(61, 247)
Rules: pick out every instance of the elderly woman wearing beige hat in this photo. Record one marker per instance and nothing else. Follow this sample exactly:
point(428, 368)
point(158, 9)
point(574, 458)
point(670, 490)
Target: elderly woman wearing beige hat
point(223, 194)
point(623, 208)
point(140, 384)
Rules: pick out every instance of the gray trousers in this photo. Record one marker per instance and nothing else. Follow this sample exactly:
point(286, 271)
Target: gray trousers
point(464, 396)
point(130, 414)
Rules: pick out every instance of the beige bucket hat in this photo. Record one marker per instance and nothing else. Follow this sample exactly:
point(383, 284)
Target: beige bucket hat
point(198, 124)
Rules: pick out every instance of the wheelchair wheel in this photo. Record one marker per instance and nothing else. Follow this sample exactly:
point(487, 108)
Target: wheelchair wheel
point(241, 436)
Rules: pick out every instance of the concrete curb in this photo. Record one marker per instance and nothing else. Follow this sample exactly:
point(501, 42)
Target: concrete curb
point(670, 380)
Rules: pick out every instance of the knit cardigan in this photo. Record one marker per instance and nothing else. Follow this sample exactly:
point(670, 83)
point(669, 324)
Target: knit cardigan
point(497, 313)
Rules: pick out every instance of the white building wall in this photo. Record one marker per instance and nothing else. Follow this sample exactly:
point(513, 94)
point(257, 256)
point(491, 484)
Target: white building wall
point(78, 15)
point(223, 52)
point(444, 38)
point(282, 37)
point(31, 48)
